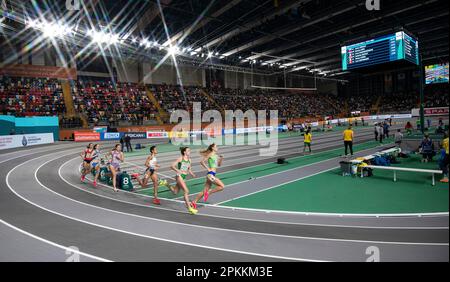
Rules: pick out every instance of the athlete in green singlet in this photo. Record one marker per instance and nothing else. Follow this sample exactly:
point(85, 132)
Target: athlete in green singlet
point(182, 166)
point(213, 162)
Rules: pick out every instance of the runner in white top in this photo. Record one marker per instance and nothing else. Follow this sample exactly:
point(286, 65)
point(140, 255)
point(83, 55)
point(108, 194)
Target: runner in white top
point(151, 173)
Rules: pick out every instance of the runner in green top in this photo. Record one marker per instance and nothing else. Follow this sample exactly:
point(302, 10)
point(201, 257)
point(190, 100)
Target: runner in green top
point(182, 166)
point(214, 161)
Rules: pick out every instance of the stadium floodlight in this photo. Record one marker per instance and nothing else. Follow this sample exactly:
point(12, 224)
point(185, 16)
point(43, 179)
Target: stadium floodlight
point(133, 40)
point(193, 53)
point(143, 42)
point(210, 54)
point(173, 50)
point(52, 30)
point(101, 37)
point(31, 23)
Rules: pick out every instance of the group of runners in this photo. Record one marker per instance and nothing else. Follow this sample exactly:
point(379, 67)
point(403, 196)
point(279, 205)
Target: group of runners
point(182, 166)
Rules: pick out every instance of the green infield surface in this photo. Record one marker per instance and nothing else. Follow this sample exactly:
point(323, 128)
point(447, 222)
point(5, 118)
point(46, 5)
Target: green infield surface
point(330, 192)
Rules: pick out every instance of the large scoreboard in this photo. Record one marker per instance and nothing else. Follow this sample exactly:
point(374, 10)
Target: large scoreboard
point(389, 48)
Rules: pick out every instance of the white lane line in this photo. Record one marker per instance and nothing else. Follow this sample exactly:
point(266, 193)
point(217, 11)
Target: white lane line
point(287, 170)
point(347, 215)
point(279, 185)
point(208, 227)
point(235, 218)
point(52, 243)
point(275, 173)
point(195, 226)
point(132, 233)
point(143, 167)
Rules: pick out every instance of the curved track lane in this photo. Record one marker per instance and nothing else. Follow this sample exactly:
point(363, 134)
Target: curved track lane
point(44, 199)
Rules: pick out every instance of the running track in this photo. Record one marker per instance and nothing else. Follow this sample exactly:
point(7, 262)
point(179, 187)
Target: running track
point(44, 210)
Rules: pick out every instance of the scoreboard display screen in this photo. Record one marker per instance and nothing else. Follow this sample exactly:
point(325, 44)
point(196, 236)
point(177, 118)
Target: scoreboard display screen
point(436, 74)
point(389, 48)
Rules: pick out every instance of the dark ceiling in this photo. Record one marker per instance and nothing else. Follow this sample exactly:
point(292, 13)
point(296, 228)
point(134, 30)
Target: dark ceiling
point(310, 30)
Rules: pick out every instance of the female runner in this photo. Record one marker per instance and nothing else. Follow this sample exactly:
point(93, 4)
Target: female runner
point(182, 166)
point(151, 172)
point(214, 161)
point(114, 163)
point(95, 163)
point(86, 156)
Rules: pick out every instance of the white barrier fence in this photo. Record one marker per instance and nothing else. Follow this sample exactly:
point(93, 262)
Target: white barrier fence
point(17, 141)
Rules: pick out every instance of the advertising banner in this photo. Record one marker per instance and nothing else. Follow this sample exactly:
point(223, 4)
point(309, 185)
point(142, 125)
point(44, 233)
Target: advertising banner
point(135, 135)
point(101, 129)
point(86, 136)
point(437, 112)
point(157, 134)
point(38, 71)
point(110, 136)
point(16, 141)
point(178, 134)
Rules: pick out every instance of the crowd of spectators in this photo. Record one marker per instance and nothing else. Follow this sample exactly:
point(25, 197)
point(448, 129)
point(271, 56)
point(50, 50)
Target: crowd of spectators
point(31, 97)
point(108, 103)
point(362, 103)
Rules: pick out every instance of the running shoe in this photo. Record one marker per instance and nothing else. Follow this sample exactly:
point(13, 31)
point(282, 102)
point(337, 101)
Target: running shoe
point(205, 195)
point(156, 201)
point(192, 210)
point(95, 183)
point(194, 205)
point(445, 180)
point(82, 178)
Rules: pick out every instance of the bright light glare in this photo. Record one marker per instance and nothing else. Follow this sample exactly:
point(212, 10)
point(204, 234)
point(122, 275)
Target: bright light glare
point(50, 30)
point(101, 37)
point(173, 50)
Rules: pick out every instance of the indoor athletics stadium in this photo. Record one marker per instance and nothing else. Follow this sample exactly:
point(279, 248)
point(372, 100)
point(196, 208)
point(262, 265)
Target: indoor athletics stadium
point(235, 131)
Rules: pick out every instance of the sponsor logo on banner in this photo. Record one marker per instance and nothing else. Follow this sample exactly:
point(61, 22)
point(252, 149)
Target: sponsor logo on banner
point(437, 111)
point(228, 131)
point(101, 129)
point(16, 141)
point(157, 134)
point(110, 136)
point(178, 134)
point(86, 136)
point(135, 135)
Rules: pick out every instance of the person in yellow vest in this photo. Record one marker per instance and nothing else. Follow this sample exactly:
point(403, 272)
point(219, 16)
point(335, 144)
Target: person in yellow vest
point(348, 140)
point(307, 139)
point(445, 159)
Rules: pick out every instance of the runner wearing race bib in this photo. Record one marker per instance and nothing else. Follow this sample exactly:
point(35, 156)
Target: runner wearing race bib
point(182, 167)
point(151, 173)
point(86, 156)
point(114, 163)
point(96, 163)
point(211, 161)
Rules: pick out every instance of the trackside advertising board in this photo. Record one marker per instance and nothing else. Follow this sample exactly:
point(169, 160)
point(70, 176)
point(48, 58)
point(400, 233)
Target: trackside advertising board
point(17, 141)
point(110, 136)
point(135, 135)
point(86, 136)
point(157, 134)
